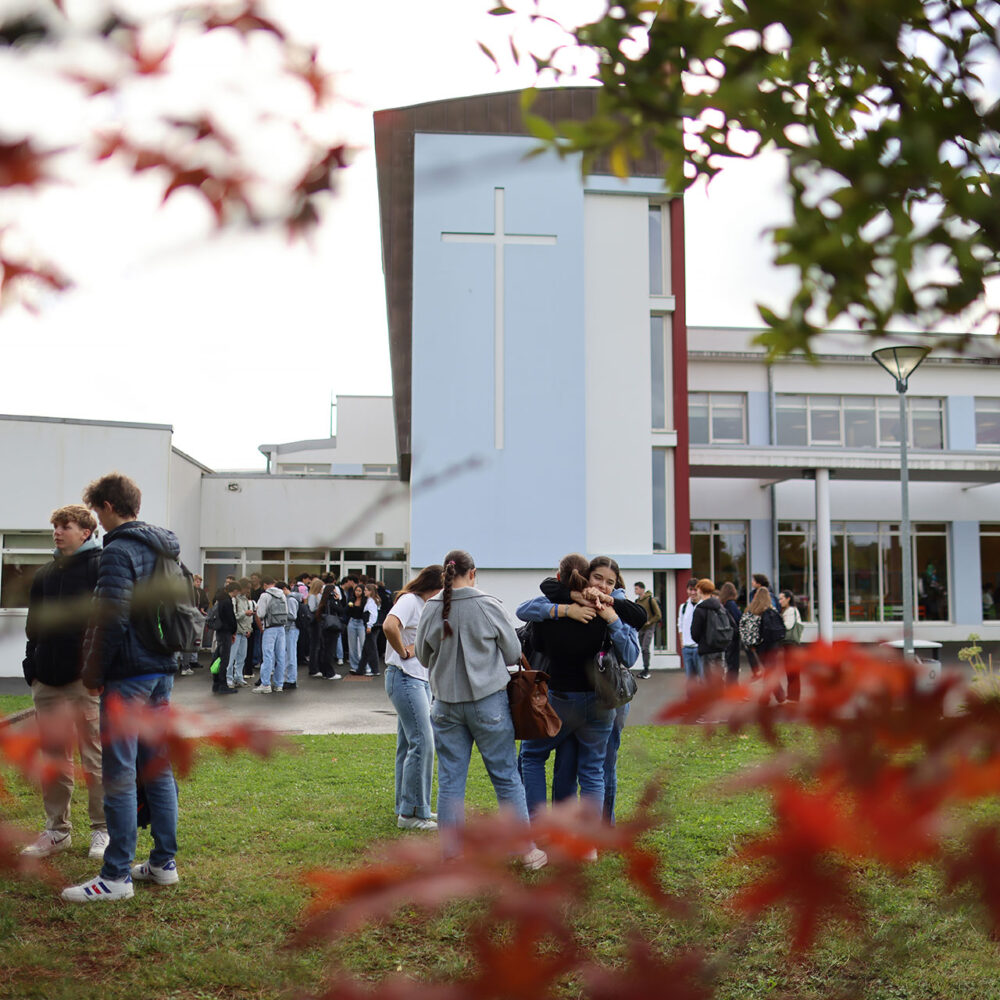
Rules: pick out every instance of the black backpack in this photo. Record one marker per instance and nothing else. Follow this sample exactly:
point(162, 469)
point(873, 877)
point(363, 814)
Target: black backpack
point(772, 628)
point(303, 616)
point(164, 613)
point(718, 630)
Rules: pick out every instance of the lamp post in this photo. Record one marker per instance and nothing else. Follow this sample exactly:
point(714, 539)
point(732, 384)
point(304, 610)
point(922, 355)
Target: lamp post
point(901, 363)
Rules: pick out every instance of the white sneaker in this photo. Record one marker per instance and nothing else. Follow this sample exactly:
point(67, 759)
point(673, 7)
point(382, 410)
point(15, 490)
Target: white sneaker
point(99, 840)
point(340, 663)
point(47, 843)
point(415, 823)
point(535, 858)
point(262, 689)
point(186, 672)
point(591, 855)
point(145, 872)
point(334, 677)
point(98, 890)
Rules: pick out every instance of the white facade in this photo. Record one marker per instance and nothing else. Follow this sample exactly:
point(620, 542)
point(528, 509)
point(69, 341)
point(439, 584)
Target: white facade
point(225, 521)
point(762, 491)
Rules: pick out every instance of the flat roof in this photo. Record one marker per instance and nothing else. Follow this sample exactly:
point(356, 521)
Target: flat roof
point(87, 423)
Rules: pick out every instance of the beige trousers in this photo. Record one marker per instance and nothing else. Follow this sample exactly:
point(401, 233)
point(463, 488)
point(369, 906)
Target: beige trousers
point(62, 714)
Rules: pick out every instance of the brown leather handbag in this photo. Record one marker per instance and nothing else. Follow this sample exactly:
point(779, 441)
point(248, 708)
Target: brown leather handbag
point(528, 693)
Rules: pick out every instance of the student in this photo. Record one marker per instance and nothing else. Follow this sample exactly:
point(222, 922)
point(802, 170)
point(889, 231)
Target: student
point(368, 663)
point(645, 599)
point(58, 612)
point(222, 681)
point(688, 647)
point(466, 641)
point(571, 642)
point(271, 615)
point(117, 664)
point(409, 690)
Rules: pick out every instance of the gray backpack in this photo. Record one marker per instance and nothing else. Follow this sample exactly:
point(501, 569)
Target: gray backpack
point(277, 611)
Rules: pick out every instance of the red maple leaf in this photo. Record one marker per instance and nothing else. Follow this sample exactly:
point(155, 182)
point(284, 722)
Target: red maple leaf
point(246, 21)
point(21, 165)
point(146, 63)
point(803, 874)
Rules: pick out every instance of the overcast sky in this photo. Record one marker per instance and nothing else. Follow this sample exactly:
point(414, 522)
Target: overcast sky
point(241, 339)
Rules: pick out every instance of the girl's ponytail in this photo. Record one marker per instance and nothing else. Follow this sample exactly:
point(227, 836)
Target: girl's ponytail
point(456, 563)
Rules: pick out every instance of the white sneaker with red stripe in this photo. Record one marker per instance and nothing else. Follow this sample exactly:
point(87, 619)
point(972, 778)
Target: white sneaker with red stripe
point(99, 889)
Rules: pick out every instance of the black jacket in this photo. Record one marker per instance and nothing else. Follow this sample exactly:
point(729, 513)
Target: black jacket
point(59, 610)
point(227, 616)
point(699, 625)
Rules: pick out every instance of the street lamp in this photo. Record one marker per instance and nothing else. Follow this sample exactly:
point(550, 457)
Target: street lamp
point(901, 363)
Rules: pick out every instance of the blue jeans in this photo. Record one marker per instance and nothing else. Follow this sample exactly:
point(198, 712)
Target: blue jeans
point(273, 649)
point(122, 757)
point(291, 655)
point(411, 697)
point(355, 642)
point(564, 783)
point(591, 724)
point(487, 724)
point(237, 657)
point(692, 662)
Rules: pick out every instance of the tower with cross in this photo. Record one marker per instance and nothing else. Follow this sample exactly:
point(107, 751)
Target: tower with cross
point(520, 312)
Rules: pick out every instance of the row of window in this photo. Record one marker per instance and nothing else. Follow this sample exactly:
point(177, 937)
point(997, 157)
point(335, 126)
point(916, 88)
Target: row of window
point(867, 561)
point(824, 420)
point(21, 555)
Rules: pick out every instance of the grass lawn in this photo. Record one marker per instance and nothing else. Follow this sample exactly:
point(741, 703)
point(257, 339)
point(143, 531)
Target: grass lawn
point(249, 827)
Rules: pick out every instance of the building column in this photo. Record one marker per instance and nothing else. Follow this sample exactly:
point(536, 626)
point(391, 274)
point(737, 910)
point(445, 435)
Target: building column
point(824, 562)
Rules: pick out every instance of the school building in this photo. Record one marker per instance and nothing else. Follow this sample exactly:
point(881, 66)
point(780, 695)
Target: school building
point(548, 397)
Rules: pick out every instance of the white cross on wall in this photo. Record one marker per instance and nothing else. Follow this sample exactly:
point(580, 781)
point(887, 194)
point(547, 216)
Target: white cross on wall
point(499, 239)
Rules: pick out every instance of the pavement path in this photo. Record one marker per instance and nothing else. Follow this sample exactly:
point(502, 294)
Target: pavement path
point(350, 705)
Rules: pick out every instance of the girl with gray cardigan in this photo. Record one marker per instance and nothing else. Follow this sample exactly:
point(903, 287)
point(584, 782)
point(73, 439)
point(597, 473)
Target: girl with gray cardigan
point(466, 641)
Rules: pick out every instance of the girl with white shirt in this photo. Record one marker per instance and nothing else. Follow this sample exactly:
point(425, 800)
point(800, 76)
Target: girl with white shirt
point(410, 693)
point(368, 664)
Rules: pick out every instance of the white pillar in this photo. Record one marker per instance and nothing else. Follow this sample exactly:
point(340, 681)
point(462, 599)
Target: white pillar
point(824, 564)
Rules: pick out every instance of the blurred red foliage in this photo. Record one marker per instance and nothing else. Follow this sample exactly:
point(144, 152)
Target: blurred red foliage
point(106, 60)
point(878, 783)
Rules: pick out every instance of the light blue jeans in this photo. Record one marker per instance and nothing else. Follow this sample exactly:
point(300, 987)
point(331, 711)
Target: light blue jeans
point(237, 657)
point(583, 717)
point(411, 697)
point(292, 655)
point(457, 726)
point(692, 662)
point(355, 642)
point(272, 667)
point(123, 756)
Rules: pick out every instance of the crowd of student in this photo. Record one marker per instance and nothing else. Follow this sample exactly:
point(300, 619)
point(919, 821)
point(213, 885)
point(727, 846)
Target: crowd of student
point(447, 650)
point(262, 623)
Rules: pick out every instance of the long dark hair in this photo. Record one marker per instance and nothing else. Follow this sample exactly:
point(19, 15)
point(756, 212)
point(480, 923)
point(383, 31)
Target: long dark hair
point(458, 562)
point(611, 564)
point(429, 578)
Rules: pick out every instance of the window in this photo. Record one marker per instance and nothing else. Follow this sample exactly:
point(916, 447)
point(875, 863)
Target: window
point(717, 417)
point(21, 554)
point(719, 551)
point(304, 468)
point(659, 374)
point(286, 564)
point(659, 499)
point(660, 634)
point(380, 470)
point(867, 564)
point(659, 283)
point(858, 421)
point(989, 563)
point(987, 422)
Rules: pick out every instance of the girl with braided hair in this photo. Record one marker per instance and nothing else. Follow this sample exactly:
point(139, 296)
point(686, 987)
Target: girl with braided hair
point(466, 641)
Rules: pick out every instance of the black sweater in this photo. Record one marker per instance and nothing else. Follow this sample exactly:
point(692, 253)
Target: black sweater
point(570, 645)
point(59, 609)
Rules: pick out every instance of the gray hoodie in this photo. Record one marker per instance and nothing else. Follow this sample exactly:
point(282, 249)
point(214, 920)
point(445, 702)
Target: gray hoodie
point(472, 662)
